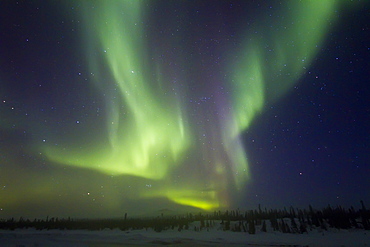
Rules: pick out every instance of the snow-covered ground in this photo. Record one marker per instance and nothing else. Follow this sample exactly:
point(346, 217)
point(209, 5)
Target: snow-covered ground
point(210, 237)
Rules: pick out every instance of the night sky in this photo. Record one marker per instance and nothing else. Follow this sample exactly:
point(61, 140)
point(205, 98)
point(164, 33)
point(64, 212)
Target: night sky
point(108, 107)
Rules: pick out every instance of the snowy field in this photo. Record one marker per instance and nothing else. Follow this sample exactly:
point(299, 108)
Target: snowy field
point(210, 237)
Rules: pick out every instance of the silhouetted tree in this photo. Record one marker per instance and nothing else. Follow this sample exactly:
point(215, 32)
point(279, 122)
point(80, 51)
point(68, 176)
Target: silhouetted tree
point(302, 227)
point(263, 229)
point(294, 227)
point(252, 227)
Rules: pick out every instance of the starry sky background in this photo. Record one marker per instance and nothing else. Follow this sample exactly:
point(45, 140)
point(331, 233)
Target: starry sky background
point(72, 142)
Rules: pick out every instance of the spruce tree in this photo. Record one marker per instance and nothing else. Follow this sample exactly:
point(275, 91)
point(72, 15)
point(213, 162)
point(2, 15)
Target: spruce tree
point(302, 227)
point(252, 227)
point(294, 225)
point(263, 229)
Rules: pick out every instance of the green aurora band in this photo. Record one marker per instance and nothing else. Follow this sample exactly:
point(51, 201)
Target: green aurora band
point(148, 129)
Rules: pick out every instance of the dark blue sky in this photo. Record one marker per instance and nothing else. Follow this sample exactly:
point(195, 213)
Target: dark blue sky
point(321, 128)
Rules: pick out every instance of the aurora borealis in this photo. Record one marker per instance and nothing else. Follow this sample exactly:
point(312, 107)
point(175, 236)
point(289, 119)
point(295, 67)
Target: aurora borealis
point(136, 106)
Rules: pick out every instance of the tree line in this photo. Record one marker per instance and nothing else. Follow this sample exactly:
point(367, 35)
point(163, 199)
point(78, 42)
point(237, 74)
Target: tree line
point(291, 220)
